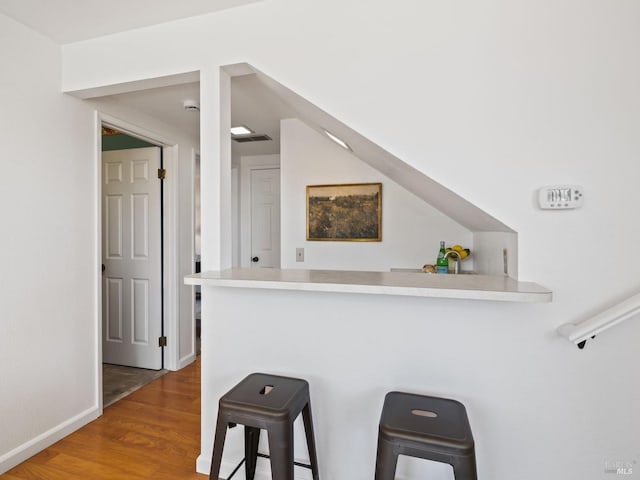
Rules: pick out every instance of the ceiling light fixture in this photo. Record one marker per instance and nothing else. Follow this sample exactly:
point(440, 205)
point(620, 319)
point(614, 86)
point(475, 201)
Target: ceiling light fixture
point(342, 143)
point(241, 130)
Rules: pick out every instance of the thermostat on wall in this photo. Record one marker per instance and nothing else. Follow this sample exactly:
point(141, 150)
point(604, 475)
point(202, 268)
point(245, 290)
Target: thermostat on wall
point(560, 197)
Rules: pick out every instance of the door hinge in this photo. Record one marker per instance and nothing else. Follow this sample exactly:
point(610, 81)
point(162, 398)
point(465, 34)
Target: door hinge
point(162, 173)
point(162, 341)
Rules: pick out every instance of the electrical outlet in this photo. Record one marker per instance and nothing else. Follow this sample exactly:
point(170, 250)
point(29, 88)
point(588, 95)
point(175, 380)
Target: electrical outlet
point(505, 260)
point(299, 254)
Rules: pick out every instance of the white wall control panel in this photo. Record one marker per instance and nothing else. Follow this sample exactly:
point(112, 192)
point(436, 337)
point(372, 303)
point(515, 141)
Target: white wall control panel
point(560, 197)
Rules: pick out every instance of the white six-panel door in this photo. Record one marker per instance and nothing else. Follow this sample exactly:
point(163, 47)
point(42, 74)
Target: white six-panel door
point(131, 255)
point(265, 218)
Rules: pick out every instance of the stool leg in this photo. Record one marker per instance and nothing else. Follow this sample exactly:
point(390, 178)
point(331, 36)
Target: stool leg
point(464, 468)
point(218, 446)
point(281, 451)
point(251, 439)
point(386, 461)
point(311, 443)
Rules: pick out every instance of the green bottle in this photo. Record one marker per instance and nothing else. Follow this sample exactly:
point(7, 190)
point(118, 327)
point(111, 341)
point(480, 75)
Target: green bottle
point(442, 263)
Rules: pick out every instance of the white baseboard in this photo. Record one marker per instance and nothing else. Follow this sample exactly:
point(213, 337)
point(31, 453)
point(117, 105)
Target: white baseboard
point(186, 360)
point(203, 464)
point(44, 440)
point(263, 471)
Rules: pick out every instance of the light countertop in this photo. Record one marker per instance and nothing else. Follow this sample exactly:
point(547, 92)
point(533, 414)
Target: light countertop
point(467, 287)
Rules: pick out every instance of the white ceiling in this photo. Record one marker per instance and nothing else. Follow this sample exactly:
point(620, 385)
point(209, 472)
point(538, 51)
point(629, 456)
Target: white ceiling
point(165, 104)
point(252, 104)
point(259, 108)
point(68, 21)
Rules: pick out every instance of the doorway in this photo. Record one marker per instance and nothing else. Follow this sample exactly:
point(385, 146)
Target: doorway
point(265, 218)
point(260, 211)
point(119, 382)
point(132, 266)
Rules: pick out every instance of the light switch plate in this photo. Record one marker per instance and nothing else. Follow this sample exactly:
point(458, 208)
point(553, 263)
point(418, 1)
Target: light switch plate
point(560, 197)
point(299, 254)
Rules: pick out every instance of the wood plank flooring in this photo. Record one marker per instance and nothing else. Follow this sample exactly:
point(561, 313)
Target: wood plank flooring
point(152, 433)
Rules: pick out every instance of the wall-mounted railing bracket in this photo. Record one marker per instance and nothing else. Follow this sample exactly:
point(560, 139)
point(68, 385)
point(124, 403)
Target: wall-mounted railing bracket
point(583, 343)
point(579, 333)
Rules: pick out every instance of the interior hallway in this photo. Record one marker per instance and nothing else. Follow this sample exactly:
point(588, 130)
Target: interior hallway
point(152, 433)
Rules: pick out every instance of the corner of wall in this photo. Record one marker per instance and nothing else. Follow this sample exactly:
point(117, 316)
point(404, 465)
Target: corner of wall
point(46, 439)
point(496, 253)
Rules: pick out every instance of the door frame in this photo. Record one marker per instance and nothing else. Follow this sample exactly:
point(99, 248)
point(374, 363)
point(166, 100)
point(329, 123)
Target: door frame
point(247, 165)
point(170, 240)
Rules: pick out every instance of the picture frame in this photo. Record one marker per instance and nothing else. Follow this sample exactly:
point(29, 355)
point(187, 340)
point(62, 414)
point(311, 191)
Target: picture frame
point(349, 212)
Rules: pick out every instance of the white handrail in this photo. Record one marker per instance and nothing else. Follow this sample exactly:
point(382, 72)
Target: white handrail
point(578, 333)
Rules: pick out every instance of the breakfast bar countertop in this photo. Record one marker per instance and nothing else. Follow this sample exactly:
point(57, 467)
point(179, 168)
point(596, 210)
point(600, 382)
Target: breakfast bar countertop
point(465, 287)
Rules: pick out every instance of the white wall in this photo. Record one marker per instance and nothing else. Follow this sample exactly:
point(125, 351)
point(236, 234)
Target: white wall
point(235, 217)
point(49, 358)
point(411, 229)
point(501, 98)
point(354, 348)
point(48, 256)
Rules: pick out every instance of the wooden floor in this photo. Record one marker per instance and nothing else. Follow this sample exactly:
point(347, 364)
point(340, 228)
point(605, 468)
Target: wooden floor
point(152, 433)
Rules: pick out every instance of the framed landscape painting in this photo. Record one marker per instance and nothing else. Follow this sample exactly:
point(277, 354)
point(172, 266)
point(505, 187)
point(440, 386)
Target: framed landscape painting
point(348, 212)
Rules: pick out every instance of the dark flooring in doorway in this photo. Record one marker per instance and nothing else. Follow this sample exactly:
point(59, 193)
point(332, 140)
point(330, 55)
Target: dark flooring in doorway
point(119, 381)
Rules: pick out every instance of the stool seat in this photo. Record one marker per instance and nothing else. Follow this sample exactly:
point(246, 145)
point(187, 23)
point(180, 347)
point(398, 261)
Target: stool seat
point(426, 427)
point(272, 403)
point(286, 397)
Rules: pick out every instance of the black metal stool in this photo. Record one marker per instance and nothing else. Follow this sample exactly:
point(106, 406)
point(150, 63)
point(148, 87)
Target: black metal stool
point(272, 403)
point(425, 427)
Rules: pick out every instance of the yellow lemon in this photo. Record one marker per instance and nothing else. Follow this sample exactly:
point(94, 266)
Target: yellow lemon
point(457, 248)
